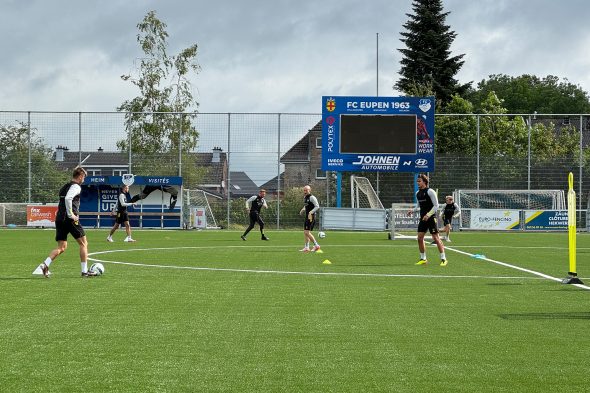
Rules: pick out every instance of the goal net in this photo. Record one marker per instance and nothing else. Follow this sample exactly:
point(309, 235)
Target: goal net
point(363, 195)
point(13, 213)
point(402, 223)
point(197, 200)
point(511, 199)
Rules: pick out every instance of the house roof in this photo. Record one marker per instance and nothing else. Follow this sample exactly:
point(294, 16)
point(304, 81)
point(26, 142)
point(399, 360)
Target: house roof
point(242, 185)
point(272, 184)
point(299, 152)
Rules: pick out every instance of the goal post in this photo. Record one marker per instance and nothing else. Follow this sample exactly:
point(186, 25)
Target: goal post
point(198, 199)
point(363, 195)
point(13, 214)
point(511, 199)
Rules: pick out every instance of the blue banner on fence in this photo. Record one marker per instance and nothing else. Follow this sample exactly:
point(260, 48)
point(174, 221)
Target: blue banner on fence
point(545, 220)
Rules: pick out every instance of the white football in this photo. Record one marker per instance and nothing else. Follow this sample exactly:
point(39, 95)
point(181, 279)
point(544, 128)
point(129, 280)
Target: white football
point(97, 268)
point(322, 235)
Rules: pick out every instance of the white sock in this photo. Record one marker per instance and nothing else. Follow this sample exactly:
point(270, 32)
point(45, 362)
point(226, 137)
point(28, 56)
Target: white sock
point(307, 245)
point(422, 255)
point(47, 261)
point(84, 266)
point(442, 255)
point(315, 242)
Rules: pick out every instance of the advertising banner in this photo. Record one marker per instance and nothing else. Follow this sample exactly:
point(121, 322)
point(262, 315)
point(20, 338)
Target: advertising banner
point(495, 220)
point(378, 134)
point(546, 220)
point(199, 217)
point(41, 216)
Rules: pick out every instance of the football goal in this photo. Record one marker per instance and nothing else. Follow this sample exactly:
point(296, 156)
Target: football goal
point(197, 199)
point(511, 199)
point(363, 195)
point(13, 213)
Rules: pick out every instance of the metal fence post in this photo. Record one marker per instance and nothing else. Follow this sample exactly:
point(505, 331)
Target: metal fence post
point(228, 188)
point(30, 148)
point(180, 145)
point(80, 138)
point(279, 173)
point(581, 161)
point(478, 117)
point(529, 154)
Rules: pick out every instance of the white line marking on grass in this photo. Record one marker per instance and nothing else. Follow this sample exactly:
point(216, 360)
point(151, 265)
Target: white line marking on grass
point(522, 269)
point(214, 269)
point(533, 272)
point(278, 271)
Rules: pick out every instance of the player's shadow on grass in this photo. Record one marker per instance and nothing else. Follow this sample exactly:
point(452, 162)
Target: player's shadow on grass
point(545, 315)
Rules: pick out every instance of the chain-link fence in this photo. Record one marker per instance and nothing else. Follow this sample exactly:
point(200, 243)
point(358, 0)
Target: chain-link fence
point(238, 153)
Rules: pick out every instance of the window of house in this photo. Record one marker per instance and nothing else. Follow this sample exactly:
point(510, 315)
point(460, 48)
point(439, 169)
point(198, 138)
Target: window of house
point(320, 174)
point(94, 172)
point(119, 172)
point(566, 121)
point(318, 142)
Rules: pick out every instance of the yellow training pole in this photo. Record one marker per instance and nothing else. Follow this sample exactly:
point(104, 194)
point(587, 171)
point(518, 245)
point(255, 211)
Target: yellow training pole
point(571, 224)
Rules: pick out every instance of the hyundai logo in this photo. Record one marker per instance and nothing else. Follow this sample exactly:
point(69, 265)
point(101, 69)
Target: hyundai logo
point(421, 162)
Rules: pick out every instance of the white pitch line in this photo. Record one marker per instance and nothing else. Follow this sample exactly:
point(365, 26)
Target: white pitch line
point(304, 273)
point(522, 269)
point(533, 272)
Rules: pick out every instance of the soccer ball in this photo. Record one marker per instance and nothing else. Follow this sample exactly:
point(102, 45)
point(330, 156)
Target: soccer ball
point(322, 235)
point(97, 268)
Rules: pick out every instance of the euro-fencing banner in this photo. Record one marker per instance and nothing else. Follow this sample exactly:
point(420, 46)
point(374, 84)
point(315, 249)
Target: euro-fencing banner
point(545, 220)
point(378, 134)
point(495, 219)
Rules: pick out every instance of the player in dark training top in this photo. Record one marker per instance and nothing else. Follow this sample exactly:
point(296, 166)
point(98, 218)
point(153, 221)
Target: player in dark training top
point(310, 207)
point(67, 222)
point(122, 217)
point(428, 205)
point(450, 211)
point(253, 205)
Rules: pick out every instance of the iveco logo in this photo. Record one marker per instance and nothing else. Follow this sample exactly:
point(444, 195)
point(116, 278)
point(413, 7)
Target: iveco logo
point(421, 162)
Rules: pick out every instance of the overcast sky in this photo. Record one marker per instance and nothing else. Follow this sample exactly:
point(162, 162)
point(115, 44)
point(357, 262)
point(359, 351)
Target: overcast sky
point(270, 56)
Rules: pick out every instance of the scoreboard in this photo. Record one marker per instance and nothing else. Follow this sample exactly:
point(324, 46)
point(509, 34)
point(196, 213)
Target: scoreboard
point(378, 134)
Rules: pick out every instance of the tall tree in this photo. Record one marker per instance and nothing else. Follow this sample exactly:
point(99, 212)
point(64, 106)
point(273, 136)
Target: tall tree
point(46, 178)
point(159, 128)
point(427, 59)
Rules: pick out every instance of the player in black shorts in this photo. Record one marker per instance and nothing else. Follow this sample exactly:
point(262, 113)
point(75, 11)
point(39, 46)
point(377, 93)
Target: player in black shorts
point(253, 205)
point(122, 216)
point(428, 203)
point(310, 207)
point(67, 222)
point(450, 211)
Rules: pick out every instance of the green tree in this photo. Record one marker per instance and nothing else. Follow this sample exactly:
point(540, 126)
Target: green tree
point(46, 177)
point(530, 94)
point(160, 119)
point(427, 60)
point(456, 134)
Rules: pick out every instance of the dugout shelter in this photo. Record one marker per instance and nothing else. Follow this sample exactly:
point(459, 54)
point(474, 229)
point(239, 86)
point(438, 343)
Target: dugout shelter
point(158, 201)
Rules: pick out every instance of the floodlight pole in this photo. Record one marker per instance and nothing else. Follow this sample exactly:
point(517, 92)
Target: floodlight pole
point(377, 95)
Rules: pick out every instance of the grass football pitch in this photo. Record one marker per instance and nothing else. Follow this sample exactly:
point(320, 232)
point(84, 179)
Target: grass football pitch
point(187, 311)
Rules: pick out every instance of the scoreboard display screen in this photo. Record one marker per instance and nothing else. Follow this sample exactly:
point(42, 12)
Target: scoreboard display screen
point(379, 134)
